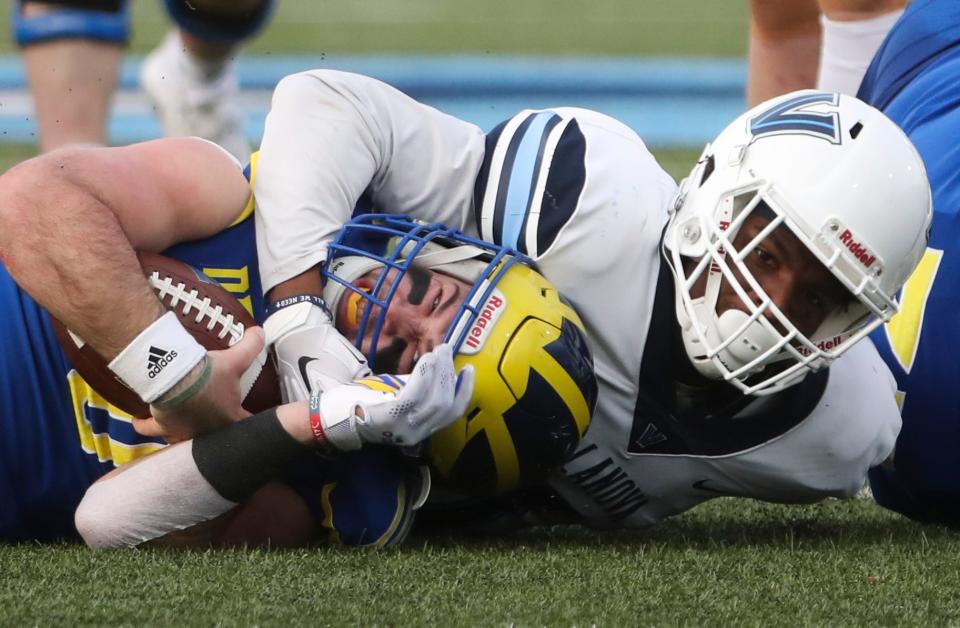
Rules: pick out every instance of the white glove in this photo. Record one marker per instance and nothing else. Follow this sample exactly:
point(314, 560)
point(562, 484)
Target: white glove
point(394, 410)
point(312, 356)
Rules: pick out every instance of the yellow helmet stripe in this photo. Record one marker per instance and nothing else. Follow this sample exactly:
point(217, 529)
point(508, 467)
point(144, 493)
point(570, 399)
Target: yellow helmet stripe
point(492, 423)
point(560, 380)
point(498, 436)
point(393, 379)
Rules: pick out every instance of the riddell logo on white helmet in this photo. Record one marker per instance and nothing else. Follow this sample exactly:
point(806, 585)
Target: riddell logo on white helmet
point(857, 248)
point(485, 321)
point(715, 267)
point(823, 345)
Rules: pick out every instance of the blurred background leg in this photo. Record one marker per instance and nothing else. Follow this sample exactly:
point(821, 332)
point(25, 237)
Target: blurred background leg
point(802, 44)
point(72, 53)
point(191, 77)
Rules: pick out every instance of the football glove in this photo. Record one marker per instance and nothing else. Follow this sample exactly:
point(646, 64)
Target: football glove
point(391, 409)
point(312, 356)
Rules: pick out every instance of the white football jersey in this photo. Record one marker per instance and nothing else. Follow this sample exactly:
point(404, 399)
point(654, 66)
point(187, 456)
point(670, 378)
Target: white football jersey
point(580, 193)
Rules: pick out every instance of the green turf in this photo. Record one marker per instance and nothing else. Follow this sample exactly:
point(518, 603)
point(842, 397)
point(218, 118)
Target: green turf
point(11, 154)
point(684, 27)
point(728, 562)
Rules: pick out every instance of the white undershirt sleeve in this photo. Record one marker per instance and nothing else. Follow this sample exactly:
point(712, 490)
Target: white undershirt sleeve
point(848, 47)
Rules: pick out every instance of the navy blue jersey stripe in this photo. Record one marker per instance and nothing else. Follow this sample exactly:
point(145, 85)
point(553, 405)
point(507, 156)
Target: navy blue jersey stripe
point(480, 187)
point(564, 186)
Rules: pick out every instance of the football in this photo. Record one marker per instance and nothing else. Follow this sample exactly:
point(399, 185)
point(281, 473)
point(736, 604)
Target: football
point(208, 311)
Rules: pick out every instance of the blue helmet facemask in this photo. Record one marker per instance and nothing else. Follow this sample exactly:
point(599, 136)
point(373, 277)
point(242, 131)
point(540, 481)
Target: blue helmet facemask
point(377, 241)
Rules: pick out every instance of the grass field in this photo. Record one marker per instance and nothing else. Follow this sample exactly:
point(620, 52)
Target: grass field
point(728, 562)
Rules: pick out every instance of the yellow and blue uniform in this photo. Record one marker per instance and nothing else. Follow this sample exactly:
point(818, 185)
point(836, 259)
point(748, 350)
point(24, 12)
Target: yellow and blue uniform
point(913, 79)
point(57, 435)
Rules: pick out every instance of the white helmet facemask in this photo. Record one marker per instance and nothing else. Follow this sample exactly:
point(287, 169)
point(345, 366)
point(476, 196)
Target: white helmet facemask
point(846, 183)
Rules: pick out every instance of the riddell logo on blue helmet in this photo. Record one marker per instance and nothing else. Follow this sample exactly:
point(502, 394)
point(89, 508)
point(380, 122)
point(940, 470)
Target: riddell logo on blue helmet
point(485, 321)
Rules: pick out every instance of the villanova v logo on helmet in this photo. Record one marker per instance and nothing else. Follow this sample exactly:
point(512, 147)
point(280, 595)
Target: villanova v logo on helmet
point(804, 114)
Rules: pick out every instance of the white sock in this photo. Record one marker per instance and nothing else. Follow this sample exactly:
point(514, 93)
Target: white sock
point(847, 49)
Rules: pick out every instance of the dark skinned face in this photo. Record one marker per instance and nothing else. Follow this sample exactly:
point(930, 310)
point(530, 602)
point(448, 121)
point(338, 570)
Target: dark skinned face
point(794, 279)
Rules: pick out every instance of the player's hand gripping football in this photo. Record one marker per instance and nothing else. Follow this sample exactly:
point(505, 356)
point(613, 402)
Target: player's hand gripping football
point(312, 356)
point(394, 410)
point(217, 398)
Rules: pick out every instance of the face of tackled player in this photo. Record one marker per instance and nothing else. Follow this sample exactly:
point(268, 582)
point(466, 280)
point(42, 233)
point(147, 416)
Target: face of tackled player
point(397, 288)
point(421, 311)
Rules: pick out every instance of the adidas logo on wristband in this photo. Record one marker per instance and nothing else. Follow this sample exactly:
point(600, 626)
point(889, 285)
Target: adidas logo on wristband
point(151, 369)
point(157, 360)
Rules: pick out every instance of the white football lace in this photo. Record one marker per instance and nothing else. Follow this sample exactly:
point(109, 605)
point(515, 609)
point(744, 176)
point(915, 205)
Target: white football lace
point(191, 301)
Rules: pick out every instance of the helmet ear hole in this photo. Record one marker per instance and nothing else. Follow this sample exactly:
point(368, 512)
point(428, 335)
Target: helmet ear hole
point(855, 130)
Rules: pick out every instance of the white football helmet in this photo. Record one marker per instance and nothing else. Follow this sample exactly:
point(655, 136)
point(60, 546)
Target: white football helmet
point(848, 184)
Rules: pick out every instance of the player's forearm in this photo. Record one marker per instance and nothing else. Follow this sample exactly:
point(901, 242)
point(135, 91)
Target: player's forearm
point(783, 66)
point(331, 137)
point(308, 282)
point(849, 10)
point(69, 252)
point(801, 44)
point(784, 47)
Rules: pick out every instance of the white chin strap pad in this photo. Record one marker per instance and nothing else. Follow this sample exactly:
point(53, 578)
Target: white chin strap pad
point(748, 345)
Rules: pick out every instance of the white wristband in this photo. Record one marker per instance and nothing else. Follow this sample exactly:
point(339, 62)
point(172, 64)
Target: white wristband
point(158, 358)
